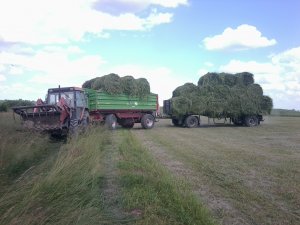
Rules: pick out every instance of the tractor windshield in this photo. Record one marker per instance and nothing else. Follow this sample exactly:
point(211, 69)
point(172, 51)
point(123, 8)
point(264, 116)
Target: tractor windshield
point(53, 98)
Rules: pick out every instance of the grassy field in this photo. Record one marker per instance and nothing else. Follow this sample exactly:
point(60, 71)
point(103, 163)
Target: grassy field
point(209, 175)
point(285, 112)
point(101, 177)
point(243, 175)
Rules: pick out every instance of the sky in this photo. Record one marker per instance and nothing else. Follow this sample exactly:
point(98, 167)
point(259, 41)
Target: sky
point(46, 43)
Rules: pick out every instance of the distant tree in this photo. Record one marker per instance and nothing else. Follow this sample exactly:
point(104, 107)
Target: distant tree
point(3, 107)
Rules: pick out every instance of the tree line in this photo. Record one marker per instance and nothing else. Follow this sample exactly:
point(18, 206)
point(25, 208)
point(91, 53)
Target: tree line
point(5, 105)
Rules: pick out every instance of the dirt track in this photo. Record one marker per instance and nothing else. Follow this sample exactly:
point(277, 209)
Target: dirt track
point(243, 175)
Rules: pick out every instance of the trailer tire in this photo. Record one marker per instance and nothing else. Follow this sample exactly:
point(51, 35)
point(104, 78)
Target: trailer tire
point(191, 122)
point(85, 120)
point(147, 121)
point(127, 123)
point(251, 121)
point(237, 122)
point(128, 126)
point(175, 122)
point(111, 121)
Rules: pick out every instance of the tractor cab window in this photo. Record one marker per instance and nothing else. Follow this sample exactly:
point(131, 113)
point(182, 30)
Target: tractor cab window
point(80, 99)
point(53, 98)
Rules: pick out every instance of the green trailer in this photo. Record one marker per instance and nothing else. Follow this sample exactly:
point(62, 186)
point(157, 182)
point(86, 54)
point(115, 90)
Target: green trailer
point(122, 109)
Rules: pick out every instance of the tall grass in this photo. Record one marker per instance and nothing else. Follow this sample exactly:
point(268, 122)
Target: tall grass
point(66, 192)
point(152, 192)
point(20, 150)
point(73, 186)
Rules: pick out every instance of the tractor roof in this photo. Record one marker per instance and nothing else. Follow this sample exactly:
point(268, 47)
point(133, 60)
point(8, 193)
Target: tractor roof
point(64, 89)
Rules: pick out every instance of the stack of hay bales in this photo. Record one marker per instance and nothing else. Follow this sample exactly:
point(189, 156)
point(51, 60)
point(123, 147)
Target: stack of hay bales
point(114, 84)
point(221, 95)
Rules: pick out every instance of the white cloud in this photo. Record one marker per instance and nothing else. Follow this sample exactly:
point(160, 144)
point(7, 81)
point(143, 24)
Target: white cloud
point(16, 70)
point(133, 6)
point(2, 68)
point(289, 59)
point(280, 77)
point(62, 21)
point(168, 3)
point(243, 37)
point(2, 78)
point(19, 90)
point(257, 68)
point(53, 65)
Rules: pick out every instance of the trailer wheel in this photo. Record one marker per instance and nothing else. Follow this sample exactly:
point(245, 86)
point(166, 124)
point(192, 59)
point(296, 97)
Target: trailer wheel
point(86, 119)
point(147, 121)
point(127, 123)
point(111, 121)
point(191, 122)
point(251, 121)
point(175, 122)
point(237, 122)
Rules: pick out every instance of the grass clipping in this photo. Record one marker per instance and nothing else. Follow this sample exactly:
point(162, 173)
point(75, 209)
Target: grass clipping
point(221, 95)
point(114, 84)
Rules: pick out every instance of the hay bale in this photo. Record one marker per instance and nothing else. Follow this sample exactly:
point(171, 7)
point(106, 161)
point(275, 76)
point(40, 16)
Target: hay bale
point(185, 89)
point(210, 79)
point(114, 85)
point(181, 105)
point(244, 78)
point(255, 89)
point(98, 83)
point(228, 79)
point(143, 87)
point(111, 84)
point(88, 83)
point(129, 85)
point(266, 104)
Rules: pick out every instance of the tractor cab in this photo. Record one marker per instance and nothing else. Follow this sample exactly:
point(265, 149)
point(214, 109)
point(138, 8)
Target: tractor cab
point(73, 97)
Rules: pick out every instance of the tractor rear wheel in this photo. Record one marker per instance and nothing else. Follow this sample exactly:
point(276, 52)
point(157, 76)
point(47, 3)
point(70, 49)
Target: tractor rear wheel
point(147, 121)
point(73, 128)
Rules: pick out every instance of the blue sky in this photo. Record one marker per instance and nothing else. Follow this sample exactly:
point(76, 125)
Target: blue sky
point(169, 42)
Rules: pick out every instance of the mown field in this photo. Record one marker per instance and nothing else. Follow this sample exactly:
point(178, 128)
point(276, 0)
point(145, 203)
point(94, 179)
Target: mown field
point(167, 175)
point(243, 175)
